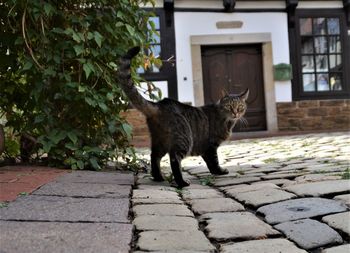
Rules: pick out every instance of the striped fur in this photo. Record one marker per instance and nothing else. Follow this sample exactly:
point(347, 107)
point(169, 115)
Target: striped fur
point(181, 130)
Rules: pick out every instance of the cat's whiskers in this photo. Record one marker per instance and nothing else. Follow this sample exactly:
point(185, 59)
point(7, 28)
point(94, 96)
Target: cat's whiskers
point(244, 122)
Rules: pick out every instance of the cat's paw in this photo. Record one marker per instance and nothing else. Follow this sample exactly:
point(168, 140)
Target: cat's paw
point(183, 183)
point(158, 178)
point(220, 171)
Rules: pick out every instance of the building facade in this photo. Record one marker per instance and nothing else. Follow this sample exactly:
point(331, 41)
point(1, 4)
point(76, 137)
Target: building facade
point(294, 56)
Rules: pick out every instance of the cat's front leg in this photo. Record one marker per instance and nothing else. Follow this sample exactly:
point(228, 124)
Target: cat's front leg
point(211, 159)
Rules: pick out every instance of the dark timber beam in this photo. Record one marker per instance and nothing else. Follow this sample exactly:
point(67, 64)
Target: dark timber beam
point(168, 12)
point(229, 5)
point(291, 6)
point(168, 5)
point(346, 4)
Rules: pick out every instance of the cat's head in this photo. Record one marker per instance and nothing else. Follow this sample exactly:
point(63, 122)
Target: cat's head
point(235, 105)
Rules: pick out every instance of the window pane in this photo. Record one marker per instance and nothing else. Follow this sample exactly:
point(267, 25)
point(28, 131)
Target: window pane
point(321, 63)
point(155, 50)
point(156, 38)
point(319, 26)
point(309, 82)
point(140, 70)
point(155, 21)
point(335, 63)
point(321, 45)
point(308, 64)
point(333, 26)
point(307, 46)
point(334, 44)
point(305, 26)
point(322, 82)
point(336, 81)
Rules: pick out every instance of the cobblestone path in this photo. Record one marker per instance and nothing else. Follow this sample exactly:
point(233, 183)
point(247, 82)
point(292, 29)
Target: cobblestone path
point(283, 194)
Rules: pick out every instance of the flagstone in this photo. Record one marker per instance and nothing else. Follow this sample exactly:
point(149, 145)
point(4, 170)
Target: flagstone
point(309, 234)
point(234, 181)
point(169, 223)
point(189, 194)
point(174, 241)
point(212, 205)
point(338, 249)
point(345, 198)
point(53, 208)
point(264, 196)
point(162, 210)
point(320, 188)
point(339, 221)
point(295, 209)
point(236, 225)
point(262, 246)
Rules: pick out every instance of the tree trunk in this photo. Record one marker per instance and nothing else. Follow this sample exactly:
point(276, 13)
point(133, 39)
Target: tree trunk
point(2, 139)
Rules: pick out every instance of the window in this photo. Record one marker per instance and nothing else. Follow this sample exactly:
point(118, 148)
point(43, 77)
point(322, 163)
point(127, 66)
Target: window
point(321, 57)
point(155, 46)
point(321, 54)
point(162, 47)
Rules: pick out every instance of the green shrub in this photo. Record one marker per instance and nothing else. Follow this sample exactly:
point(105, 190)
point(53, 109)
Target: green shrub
point(58, 62)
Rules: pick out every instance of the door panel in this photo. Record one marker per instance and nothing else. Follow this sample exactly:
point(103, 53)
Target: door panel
point(233, 69)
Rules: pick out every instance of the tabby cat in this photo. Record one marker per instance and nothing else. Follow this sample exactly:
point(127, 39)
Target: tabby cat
point(181, 130)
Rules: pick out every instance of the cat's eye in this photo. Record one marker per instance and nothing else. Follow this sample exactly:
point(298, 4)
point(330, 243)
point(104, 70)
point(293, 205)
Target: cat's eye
point(240, 108)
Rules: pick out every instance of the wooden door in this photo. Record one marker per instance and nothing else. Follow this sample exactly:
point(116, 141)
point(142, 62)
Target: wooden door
point(233, 69)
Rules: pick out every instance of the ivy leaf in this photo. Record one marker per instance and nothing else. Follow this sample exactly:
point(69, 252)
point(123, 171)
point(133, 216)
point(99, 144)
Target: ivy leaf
point(57, 136)
point(94, 163)
point(70, 146)
point(110, 96)
point(87, 70)
point(39, 118)
point(48, 9)
point(90, 35)
point(98, 38)
point(80, 164)
point(127, 129)
point(81, 88)
point(79, 49)
point(103, 106)
point(130, 29)
point(112, 127)
point(90, 101)
point(73, 137)
point(27, 65)
point(76, 37)
point(47, 146)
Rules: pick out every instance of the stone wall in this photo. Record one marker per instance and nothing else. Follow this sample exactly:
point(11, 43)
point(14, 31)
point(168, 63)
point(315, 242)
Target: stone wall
point(309, 115)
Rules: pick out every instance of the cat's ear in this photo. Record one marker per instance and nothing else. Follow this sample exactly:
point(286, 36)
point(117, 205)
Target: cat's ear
point(243, 96)
point(224, 93)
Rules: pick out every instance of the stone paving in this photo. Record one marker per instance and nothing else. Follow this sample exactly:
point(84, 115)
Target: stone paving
point(283, 194)
point(82, 211)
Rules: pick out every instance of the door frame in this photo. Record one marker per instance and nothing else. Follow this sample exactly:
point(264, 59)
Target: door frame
point(234, 39)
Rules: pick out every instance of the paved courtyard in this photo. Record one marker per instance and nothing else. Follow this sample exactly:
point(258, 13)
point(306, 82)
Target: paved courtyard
point(283, 194)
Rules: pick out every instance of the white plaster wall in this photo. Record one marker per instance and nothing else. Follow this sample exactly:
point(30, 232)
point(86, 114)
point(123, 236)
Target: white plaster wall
point(215, 4)
point(202, 23)
point(162, 85)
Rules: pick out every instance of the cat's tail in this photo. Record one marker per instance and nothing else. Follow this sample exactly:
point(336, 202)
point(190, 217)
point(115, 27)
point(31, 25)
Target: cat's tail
point(124, 77)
